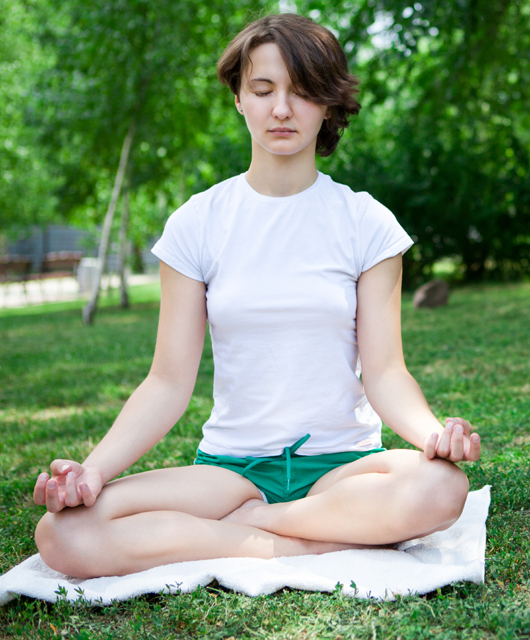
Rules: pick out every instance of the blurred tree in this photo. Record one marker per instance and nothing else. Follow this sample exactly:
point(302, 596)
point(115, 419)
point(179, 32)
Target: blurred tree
point(131, 74)
point(25, 193)
point(444, 138)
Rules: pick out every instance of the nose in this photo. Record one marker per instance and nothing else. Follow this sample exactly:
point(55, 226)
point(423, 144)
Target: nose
point(282, 108)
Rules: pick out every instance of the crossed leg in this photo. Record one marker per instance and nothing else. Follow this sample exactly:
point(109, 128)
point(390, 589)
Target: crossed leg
point(160, 517)
point(380, 499)
point(202, 512)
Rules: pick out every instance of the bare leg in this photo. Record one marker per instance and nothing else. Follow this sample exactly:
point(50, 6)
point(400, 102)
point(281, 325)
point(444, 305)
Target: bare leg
point(161, 517)
point(380, 499)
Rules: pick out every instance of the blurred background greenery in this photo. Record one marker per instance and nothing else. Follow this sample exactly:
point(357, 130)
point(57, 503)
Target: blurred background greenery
point(443, 138)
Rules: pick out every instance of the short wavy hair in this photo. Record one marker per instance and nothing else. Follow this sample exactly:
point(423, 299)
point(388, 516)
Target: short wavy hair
point(316, 63)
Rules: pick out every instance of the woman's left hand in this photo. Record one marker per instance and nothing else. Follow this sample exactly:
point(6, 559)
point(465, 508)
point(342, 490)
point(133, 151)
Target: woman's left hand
point(456, 443)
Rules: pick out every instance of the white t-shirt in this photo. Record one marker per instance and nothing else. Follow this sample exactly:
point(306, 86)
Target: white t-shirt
point(281, 286)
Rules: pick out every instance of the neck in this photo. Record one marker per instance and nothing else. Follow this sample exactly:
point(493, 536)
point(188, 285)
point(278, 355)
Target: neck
point(281, 176)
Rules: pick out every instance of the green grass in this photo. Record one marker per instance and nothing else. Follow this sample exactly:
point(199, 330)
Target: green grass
point(62, 384)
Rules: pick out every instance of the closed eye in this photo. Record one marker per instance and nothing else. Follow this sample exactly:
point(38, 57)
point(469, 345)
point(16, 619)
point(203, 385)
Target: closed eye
point(263, 93)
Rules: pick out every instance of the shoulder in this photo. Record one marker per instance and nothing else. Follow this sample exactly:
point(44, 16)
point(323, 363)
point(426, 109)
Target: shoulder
point(197, 211)
point(356, 203)
point(375, 232)
point(216, 195)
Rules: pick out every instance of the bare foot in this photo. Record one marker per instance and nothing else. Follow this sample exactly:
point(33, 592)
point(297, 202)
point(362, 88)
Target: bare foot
point(243, 514)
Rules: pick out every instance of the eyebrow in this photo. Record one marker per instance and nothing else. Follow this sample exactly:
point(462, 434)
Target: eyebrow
point(260, 80)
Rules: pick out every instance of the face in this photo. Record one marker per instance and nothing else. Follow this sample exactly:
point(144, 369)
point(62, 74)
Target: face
point(279, 119)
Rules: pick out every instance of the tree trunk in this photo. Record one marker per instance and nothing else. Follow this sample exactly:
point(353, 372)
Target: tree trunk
point(124, 301)
point(138, 261)
point(90, 308)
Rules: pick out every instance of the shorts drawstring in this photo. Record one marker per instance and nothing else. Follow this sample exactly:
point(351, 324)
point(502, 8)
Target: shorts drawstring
point(287, 453)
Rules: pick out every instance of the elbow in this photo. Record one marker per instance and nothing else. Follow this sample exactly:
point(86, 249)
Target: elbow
point(374, 378)
point(175, 387)
point(384, 383)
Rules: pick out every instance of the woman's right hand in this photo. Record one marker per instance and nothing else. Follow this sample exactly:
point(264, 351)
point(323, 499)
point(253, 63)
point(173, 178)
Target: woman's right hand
point(70, 485)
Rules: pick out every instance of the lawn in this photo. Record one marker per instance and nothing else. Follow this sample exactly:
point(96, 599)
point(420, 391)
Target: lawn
point(62, 384)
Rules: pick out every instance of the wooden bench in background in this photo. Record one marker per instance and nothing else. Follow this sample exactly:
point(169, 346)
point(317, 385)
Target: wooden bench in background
point(15, 268)
point(60, 264)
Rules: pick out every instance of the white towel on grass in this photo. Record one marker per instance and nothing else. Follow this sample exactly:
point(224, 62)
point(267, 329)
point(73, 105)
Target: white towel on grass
point(417, 566)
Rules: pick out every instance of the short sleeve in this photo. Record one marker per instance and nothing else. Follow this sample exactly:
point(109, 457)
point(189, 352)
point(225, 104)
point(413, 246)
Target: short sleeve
point(380, 235)
point(180, 244)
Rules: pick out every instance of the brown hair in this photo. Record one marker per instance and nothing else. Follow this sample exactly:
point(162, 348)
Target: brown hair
point(316, 63)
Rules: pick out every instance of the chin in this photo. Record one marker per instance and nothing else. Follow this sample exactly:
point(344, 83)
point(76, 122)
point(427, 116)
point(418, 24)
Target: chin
point(281, 147)
point(283, 150)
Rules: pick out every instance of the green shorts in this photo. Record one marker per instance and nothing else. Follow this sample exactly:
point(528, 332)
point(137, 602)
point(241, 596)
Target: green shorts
point(288, 476)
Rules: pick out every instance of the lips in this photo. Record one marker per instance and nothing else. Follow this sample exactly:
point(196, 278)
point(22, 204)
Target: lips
point(281, 130)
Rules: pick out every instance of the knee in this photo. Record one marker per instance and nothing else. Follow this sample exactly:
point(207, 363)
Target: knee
point(64, 544)
point(446, 488)
point(48, 541)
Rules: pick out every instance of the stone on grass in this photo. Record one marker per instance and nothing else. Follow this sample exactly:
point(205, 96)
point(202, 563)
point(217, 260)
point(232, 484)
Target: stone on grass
point(432, 294)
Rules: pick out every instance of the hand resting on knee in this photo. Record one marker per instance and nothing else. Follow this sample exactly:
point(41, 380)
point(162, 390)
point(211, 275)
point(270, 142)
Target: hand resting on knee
point(71, 484)
point(456, 443)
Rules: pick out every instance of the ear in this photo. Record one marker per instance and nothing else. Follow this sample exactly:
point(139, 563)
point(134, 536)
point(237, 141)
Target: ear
point(238, 104)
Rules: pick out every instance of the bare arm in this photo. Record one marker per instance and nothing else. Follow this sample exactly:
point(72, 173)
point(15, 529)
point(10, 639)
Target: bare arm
point(152, 409)
point(163, 396)
point(391, 390)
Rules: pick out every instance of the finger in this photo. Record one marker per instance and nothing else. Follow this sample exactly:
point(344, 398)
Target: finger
point(444, 443)
point(71, 499)
point(39, 493)
point(53, 503)
point(429, 447)
point(465, 423)
point(457, 444)
point(62, 467)
point(88, 497)
point(474, 447)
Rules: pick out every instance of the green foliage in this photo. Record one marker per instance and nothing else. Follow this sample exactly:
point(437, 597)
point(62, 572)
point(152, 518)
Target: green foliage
point(25, 181)
point(443, 139)
point(62, 386)
point(131, 61)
